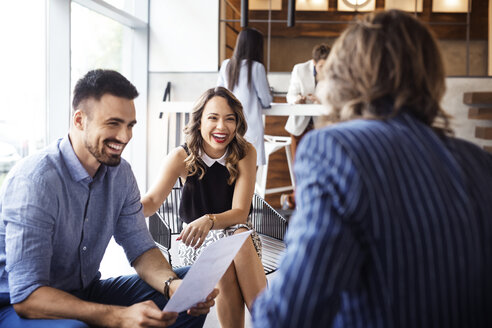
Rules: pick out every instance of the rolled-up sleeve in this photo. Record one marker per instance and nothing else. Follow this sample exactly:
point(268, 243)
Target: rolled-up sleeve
point(131, 229)
point(294, 86)
point(28, 216)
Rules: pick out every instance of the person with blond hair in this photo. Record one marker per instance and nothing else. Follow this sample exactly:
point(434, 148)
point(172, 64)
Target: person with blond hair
point(393, 221)
point(218, 167)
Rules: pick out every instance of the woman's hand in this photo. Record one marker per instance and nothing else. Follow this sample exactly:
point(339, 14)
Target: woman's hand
point(195, 233)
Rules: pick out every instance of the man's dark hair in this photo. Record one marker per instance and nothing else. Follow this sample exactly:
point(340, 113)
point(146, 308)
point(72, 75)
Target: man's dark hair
point(320, 51)
point(99, 82)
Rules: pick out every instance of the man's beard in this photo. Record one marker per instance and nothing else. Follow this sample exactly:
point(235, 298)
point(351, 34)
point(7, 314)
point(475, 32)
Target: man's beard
point(101, 156)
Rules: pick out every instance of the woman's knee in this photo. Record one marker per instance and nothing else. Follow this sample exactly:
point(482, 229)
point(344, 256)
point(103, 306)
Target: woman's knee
point(239, 230)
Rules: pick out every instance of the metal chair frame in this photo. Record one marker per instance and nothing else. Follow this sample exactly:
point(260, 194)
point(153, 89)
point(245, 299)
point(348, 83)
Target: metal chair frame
point(268, 223)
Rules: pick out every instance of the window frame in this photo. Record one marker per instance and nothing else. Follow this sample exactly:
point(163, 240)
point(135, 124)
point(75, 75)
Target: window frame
point(58, 107)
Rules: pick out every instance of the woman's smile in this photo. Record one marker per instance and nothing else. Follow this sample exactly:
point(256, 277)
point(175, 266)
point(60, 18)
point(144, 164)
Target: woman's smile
point(219, 137)
point(218, 126)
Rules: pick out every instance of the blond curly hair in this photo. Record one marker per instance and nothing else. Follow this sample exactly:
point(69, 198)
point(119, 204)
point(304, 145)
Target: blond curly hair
point(386, 57)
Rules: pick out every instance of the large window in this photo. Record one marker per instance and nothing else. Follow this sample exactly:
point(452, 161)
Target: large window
point(48, 45)
point(51, 44)
point(112, 37)
point(22, 81)
point(113, 34)
point(125, 5)
point(98, 42)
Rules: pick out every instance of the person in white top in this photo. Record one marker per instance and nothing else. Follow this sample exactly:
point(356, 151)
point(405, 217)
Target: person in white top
point(244, 75)
point(303, 82)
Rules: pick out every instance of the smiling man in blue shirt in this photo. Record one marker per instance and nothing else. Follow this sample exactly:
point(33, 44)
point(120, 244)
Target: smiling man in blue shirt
point(59, 209)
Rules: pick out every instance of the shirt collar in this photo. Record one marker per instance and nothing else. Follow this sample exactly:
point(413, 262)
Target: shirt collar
point(75, 168)
point(209, 161)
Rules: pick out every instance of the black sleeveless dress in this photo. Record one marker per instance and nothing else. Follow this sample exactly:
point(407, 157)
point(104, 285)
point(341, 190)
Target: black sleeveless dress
point(210, 195)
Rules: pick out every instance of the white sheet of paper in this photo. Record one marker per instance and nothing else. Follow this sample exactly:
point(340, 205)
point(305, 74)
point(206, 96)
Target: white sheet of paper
point(206, 272)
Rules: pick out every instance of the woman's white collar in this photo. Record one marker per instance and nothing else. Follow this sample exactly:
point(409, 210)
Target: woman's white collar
point(209, 161)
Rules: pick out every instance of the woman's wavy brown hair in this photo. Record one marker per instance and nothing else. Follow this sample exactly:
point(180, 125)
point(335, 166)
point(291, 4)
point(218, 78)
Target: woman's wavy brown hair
point(385, 57)
point(237, 147)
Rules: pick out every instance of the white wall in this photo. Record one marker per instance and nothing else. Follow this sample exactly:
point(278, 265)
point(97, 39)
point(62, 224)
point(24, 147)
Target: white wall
point(183, 49)
point(184, 35)
point(184, 87)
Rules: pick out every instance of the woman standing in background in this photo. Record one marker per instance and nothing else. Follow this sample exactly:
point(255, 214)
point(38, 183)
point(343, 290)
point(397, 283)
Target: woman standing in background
point(244, 75)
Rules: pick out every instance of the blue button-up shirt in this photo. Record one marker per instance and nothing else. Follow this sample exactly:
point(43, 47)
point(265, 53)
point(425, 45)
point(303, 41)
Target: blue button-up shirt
point(56, 221)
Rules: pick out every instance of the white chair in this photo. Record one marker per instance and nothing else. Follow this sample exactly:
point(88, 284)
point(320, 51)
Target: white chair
point(272, 144)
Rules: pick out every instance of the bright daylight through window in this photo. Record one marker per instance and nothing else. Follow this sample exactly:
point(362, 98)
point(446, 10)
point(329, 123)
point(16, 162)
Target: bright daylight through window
point(22, 82)
point(97, 42)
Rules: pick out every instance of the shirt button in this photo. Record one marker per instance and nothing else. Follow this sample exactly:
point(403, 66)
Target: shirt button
point(84, 248)
point(86, 219)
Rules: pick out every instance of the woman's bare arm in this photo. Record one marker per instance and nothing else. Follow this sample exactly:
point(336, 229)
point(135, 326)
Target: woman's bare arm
point(171, 169)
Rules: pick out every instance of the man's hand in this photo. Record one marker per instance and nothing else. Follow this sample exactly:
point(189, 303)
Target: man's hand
point(204, 307)
point(311, 99)
point(300, 99)
point(145, 314)
point(200, 308)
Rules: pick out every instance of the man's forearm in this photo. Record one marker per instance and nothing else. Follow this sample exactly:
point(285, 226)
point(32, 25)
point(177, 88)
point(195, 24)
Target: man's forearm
point(52, 303)
point(153, 268)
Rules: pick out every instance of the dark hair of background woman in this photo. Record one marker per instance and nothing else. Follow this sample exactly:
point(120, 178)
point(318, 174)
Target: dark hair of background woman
point(249, 46)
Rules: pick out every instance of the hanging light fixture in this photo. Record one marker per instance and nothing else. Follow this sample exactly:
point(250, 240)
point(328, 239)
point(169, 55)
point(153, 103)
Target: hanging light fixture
point(405, 5)
point(291, 13)
point(312, 5)
point(244, 13)
point(450, 6)
point(356, 5)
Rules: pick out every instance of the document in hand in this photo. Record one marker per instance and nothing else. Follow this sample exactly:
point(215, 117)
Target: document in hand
point(204, 275)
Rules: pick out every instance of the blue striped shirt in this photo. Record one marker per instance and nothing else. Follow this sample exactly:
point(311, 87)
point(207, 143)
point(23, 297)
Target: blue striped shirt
point(393, 228)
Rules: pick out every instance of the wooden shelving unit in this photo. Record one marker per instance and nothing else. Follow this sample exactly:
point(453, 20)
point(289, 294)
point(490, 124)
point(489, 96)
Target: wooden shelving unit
point(480, 109)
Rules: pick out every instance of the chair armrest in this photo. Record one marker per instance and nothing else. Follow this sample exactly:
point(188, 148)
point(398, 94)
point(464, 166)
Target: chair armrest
point(266, 220)
point(169, 211)
point(160, 231)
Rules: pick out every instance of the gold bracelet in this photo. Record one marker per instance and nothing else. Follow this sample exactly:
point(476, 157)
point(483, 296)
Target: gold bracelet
point(212, 218)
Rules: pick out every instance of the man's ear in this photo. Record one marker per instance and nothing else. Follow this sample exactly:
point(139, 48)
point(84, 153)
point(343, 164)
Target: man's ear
point(79, 118)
